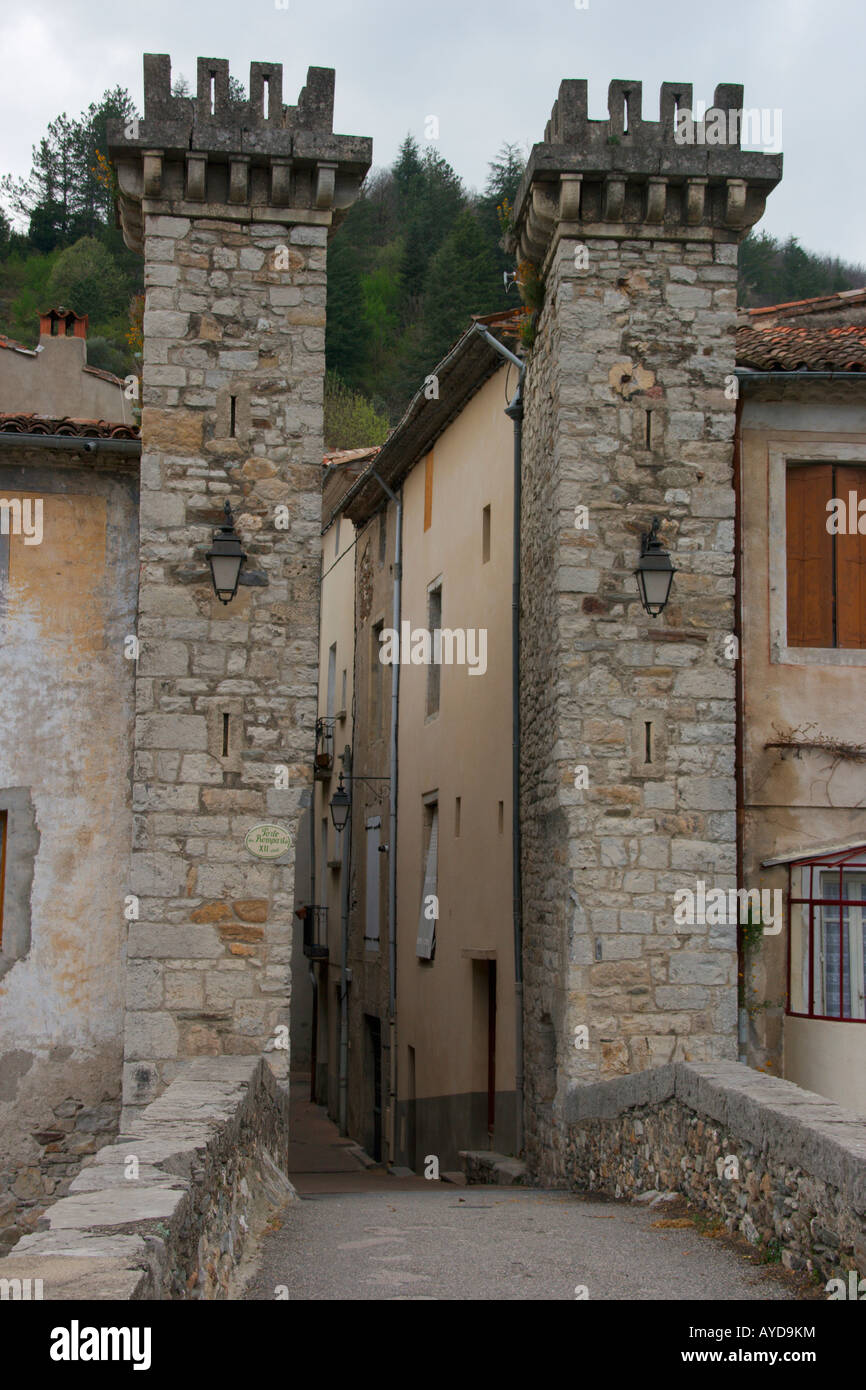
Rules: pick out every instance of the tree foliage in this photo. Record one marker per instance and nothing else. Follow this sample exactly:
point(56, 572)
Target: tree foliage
point(351, 422)
point(775, 272)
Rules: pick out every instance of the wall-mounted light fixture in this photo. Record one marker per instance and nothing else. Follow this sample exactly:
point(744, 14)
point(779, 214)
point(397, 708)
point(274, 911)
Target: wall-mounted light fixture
point(655, 571)
point(340, 806)
point(226, 557)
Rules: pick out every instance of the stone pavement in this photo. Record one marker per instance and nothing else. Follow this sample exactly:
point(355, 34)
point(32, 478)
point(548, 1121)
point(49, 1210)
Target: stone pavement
point(358, 1233)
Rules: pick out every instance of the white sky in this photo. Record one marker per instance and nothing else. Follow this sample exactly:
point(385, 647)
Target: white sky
point(488, 69)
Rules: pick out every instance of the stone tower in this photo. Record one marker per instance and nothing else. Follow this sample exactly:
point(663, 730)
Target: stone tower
point(628, 790)
point(232, 204)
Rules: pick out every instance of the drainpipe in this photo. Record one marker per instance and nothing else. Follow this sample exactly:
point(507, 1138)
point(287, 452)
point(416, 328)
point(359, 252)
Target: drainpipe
point(740, 776)
point(392, 828)
point(515, 412)
point(344, 949)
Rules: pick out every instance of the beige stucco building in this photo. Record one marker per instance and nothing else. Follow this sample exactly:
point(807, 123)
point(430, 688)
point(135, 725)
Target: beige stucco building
point(430, 1064)
point(802, 443)
point(53, 379)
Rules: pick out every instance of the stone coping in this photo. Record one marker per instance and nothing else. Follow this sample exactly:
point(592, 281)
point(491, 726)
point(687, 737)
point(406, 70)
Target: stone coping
point(178, 1229)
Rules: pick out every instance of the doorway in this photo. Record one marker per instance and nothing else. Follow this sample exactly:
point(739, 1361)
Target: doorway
point(373, 1085)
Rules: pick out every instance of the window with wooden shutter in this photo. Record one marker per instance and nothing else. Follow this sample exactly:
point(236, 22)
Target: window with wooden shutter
point(850, 487)
point(430, 886)
point(371, 917)
point(826, 593)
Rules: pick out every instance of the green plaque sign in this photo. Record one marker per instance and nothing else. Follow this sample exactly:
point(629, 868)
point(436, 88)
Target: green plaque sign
point(268, 841)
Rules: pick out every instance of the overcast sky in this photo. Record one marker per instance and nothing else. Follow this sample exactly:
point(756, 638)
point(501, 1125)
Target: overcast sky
point(488, 69)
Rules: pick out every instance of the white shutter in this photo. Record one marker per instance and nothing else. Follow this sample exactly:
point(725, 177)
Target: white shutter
point(427, 925)
point(371, 924)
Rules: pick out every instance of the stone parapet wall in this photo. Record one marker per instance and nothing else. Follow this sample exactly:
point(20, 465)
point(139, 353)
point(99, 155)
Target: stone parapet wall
point(779, 1165)
point(166, 1212)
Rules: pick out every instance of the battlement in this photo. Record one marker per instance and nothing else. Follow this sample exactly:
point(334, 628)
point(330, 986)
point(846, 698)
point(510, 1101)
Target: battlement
point(212, 109)
point(569, 124)
point(210, 155)
point(626, 176)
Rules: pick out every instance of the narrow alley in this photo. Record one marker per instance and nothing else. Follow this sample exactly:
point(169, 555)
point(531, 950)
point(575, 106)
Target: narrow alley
point(356, 1232)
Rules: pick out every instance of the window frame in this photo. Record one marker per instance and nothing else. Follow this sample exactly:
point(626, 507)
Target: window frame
point(805, 901)
point(780, 456)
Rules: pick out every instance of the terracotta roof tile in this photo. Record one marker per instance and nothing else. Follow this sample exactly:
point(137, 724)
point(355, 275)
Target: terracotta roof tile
point(82, 429)
point(15, 347)
point(791, 347)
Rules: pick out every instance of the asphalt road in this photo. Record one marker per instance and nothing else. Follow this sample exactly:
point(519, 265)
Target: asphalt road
point(486, 1243)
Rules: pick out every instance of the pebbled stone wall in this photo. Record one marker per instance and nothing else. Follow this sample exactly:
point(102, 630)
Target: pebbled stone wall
point(779, 1165)
point(167, 1211)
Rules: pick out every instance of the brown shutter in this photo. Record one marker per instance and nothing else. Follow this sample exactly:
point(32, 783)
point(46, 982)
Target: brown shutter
point(428, 490)
point(810, 555)
point(851, 564)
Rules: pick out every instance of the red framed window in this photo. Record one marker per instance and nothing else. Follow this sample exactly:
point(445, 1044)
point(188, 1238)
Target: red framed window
point(827, 936)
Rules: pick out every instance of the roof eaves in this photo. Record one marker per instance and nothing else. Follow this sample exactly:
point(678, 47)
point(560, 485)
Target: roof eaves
point(430, 417)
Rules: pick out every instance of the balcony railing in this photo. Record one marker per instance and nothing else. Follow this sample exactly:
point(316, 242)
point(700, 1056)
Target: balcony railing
point(315, 920)
point(324, 760)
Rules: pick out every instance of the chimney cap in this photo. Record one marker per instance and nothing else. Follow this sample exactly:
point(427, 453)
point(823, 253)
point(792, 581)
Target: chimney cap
point(63, 323)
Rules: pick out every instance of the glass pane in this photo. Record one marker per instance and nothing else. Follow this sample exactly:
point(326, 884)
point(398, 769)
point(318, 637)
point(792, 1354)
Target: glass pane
point(836, 951)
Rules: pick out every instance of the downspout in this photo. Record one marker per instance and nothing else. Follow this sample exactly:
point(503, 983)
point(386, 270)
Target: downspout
point(392, 827)
point(515, 411)
point(740, 777)
point(344, 949)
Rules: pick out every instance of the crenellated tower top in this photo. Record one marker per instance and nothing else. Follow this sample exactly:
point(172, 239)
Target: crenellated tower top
point(676, 177)
point(212, 156)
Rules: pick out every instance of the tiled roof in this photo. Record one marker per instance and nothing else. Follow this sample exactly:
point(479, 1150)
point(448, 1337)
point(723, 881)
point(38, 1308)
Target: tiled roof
point(15, 347)
point(843, 301)
point(340, 456)
point(81, 429)
point(103, 375)
point(791, 347)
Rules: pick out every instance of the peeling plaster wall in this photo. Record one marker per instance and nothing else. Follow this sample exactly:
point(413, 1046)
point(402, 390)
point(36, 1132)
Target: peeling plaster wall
point(811, 798)
point(65, 749)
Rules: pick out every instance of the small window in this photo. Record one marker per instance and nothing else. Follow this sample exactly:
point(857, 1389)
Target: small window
point(828, 937)
point(457, 807)
point(485, 535)
point(373, 862)
point(428, 491)
point(826, 555)
point(376, 682)
point(332, 680)
point(337, 535)
point(429, 912)
point(434, 625)
point(343, 693)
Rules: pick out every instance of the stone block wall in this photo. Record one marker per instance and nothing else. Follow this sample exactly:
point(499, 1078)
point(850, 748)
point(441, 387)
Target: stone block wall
point(232, 206)
point(226, 694)
point(628, 721)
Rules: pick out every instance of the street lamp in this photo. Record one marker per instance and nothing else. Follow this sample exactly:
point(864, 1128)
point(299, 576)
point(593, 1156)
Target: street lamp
point(226, 557)
point(655, 571)
point(340, 806)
